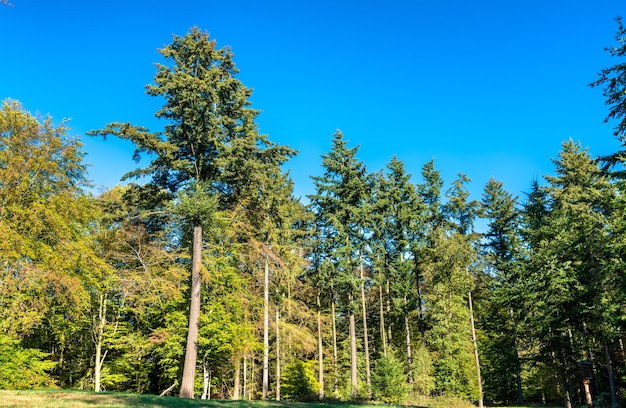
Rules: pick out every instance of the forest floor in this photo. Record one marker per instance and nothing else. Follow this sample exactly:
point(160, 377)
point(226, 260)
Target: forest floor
point(87, 399)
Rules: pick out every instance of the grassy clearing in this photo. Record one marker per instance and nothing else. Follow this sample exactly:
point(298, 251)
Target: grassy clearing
point(86, 399)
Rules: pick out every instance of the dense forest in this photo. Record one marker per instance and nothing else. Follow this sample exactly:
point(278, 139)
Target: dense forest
point(204, 275)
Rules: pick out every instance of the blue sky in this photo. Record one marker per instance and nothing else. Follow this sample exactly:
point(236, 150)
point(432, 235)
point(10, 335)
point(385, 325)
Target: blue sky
point(486, 88)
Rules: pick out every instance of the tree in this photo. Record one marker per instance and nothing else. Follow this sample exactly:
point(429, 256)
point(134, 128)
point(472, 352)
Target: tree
point(402, 218)
point(612, 79)
point(210, 130)
point(502, 251)
point(566, 282)
point(44, 252)
point(338, 201)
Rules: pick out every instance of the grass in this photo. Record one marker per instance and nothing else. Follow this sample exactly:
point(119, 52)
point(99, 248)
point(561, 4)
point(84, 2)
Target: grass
point(88, 399)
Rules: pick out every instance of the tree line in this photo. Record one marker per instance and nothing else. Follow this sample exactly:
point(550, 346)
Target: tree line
point(204, 275)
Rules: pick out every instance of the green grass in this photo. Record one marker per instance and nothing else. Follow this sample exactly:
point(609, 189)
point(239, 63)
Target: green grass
point(87, 399)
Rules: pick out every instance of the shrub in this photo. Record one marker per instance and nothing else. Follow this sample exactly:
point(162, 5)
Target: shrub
point(389, 381)
point(23, 368)
point(298, 382)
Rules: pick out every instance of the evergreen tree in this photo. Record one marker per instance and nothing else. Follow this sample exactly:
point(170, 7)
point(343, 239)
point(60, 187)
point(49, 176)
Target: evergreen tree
point(338, 201)
point(502, 252)
point(402, 218)
point(210, 129)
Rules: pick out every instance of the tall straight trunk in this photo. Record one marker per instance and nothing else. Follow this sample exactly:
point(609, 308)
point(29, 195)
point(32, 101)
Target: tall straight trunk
point(191, 350)
point(237, 381)
point(420, 310)
point(335, 358)
point(389, 313)
point(206, 380)
point(245, 377)
point(368, 377)
point(567, 381)
point(609, 369)
point(353, 363)
point(475, 343)
point(98, 338)
point(383, 335)
point(320, 347)
point(277, 354)
point(518, 363)
point(266, 324)
point(409, 355)
point(253, 378)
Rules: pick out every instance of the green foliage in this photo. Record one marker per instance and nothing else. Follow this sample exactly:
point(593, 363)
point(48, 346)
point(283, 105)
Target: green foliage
point(299, 381)
point(423, 380)
point(389, 379)
point(23, 368)
point(612, 79)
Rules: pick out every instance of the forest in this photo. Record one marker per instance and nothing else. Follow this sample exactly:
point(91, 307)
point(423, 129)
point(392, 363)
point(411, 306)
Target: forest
point(204, 276)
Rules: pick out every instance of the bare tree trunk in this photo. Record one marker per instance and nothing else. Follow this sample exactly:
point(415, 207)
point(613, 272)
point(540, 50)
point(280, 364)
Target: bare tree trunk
point(388, 313)
point(266, 323)
point(609, 368)
point(191, 350)
point(320, 347)
point(237, 385)
point(245, 377)
point(368, 376)
point(335, 358)
point(420, 309)
point(277, 354)
point(253, 379)
point(480, 380)
point(518, 368)
point(409, 354)
point(98, 338)
point(383, 335)
point(206, 380)
point(353, 361)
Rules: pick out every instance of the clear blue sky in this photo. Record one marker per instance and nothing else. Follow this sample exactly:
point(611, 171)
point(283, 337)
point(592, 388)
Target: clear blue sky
point(487, 88)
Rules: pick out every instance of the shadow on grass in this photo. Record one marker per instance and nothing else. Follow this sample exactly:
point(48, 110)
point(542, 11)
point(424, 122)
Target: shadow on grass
point(75, 398)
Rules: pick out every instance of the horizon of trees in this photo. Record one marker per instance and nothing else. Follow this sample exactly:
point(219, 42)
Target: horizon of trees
point(211, 279)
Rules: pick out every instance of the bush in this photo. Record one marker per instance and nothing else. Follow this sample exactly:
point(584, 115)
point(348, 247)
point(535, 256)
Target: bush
point(389, 381)
point(22, 368)
point(298, 382)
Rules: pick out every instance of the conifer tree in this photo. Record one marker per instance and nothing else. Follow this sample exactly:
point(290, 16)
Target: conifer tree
point(502, 252)
point(210, 133)
point(338, 200)
point(402, 219)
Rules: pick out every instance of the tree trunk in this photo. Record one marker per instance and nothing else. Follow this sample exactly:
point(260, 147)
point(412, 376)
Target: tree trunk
point(409, 355)
point(245, 377)
point(609, 369)
point(266, 323)
point(237, 382)
point(382, 321)
point(368, 377)
point(353, 360)
point(475, 343)
point(277, 354)
point(191, 350)
point(389, 314)
point(420, 310)
point(98, 338)
point(206, 380)
point(518, 365)
point(335, 358)
point(320, 347)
